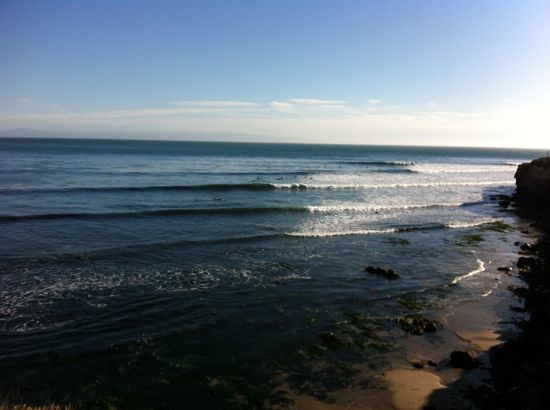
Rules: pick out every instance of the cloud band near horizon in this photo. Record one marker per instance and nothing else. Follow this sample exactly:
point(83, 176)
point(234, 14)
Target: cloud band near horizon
point(307, 120)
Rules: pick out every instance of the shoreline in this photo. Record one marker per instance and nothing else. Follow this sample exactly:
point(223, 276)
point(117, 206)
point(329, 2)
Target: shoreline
point(520, 367)
point(425, 379)
point(419, 374)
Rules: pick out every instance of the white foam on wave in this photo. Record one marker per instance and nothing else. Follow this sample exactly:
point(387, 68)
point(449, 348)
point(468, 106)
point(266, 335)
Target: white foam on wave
point(461, 225)
point(426, 170)
point(374, 208)
point(327, 234)
point(485, 294)
point(400, 163)
point(480, 268)
point(392, 186)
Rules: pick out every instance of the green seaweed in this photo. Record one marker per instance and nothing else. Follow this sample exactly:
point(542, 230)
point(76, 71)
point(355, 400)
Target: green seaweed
point(380, 345)
point(417, 325)
point(412, 303)
point(355, 316)
point(398, 241)
point(497, 226)
point(316, 350)
point(333, 341)
point(470, 240)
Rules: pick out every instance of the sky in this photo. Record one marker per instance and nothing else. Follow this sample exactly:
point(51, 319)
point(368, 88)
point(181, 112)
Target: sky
point(463, 73)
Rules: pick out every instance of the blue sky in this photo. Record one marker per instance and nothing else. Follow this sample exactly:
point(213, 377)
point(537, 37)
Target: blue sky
point(379, 72)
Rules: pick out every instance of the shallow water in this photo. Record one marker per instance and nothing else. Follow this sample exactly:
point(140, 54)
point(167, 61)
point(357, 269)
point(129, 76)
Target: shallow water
point(195, 274)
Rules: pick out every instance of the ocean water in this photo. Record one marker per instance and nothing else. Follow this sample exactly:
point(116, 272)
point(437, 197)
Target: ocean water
point(144, 274)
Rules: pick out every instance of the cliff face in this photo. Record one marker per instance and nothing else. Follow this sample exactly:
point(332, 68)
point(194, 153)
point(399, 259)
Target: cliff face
point(533, 179)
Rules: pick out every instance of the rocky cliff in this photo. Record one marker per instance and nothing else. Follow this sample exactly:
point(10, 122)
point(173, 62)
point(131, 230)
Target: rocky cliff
point(533, 179)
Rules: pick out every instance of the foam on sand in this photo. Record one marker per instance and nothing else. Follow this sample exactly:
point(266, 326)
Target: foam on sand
point(480, 268)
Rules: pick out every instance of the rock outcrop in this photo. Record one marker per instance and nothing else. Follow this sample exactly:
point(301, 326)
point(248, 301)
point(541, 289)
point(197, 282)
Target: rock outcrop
point(387, 273)
point(533, 179)
point(464, 360)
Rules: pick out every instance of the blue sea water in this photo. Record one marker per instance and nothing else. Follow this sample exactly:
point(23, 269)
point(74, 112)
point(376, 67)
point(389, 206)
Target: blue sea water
point(142, 274)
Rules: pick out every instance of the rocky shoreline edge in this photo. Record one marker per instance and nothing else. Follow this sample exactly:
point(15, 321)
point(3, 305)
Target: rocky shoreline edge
point(520, 367)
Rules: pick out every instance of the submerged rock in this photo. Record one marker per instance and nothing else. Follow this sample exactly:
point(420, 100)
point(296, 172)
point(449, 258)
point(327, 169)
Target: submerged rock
point(526, 247)
point(387, 273)
point(334, 341)
point(422, 363)
point(417, 325)
point(464, 360)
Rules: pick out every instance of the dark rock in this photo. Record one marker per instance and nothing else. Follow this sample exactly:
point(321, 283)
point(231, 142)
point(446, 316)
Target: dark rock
point(420, 364)
point(504, 269)
point(518, 291)
point(526, 247)
point(417, 325)
point(533, 179)
point(526, 264)
point(464, 360)
point(387, 273)
point(333, 341)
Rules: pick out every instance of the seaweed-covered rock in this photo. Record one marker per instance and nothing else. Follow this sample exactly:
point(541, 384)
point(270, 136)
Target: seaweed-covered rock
point(417, 325)
point(387, 273)
point(334, 341)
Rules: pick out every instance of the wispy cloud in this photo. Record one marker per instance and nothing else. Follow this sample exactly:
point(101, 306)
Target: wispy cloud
point(316, 102)
point(374, 101)
point(281, 106)
point(27, 101)
point(309, 104)
point(215, 103)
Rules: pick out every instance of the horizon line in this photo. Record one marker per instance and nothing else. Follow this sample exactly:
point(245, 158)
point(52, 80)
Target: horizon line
point(98, 138)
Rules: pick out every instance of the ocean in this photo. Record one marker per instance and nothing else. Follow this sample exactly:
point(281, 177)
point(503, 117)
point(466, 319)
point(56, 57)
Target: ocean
point(139, 274)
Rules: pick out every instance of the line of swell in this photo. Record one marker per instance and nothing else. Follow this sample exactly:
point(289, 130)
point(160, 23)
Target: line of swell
point(251, 187)
point(164, 245)
point(156, 212)
point(138, 248)
point(221, 210)
point(152, 188)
